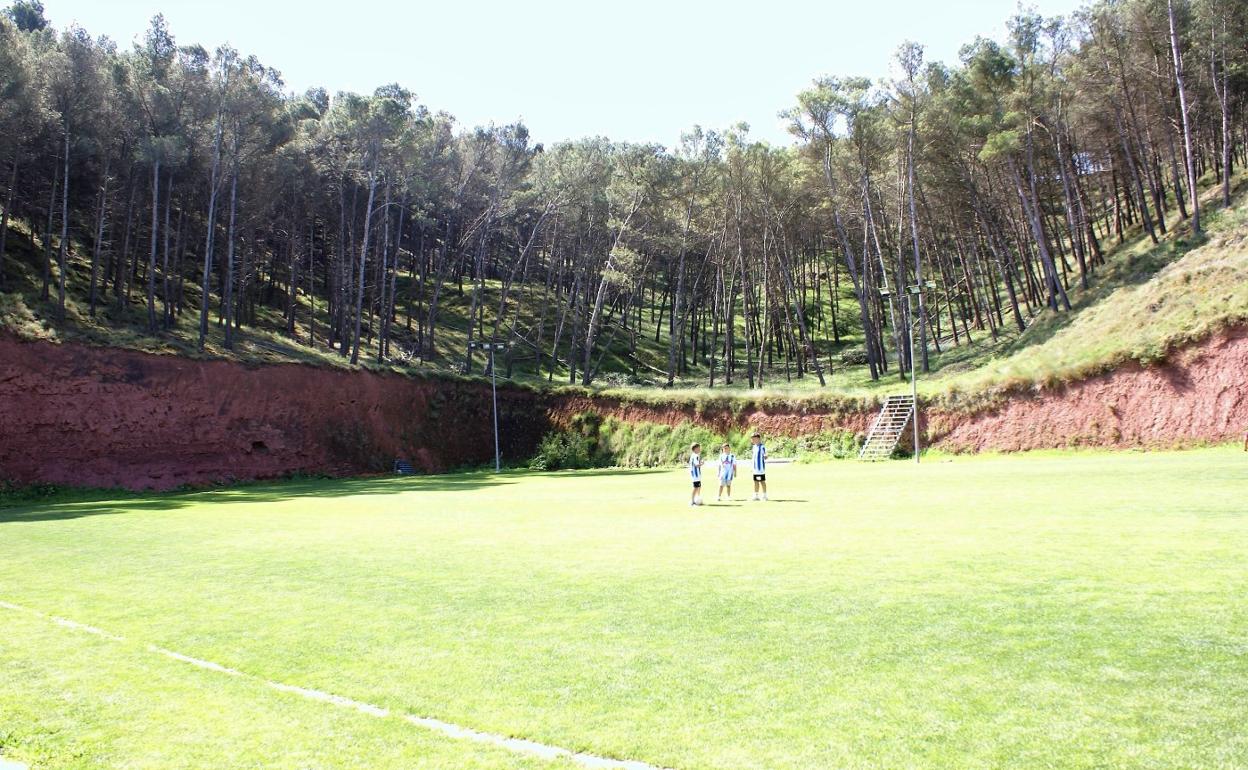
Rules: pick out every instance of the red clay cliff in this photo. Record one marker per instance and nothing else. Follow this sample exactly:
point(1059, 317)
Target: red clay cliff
point(79, 415)
point(86, 416)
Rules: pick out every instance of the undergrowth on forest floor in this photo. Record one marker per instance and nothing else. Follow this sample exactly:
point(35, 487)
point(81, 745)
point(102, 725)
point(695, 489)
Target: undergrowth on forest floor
point(1147, 302)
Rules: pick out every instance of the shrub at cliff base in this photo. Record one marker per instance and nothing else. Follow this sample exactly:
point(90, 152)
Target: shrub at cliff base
point(594, 441)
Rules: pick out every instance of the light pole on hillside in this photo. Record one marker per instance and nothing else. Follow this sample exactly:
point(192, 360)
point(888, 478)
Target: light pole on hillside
point(913, 293)
point(492, 348)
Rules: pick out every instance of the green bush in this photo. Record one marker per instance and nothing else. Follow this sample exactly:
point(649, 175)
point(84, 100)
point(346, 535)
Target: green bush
point(594, 441)
point(562, 450)
point(839, 445)
point(854, 357)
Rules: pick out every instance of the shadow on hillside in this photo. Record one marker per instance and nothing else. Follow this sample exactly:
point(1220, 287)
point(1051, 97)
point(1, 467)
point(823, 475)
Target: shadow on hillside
point(1130, 264)
point(81, 504)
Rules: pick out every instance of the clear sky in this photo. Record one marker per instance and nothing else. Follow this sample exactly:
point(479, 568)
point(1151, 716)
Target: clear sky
point(642, 70)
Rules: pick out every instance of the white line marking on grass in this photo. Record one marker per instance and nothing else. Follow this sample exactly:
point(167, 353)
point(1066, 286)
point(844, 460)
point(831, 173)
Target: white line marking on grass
point(517, 745)
point(195, 661)
point(84, 627)
point(326, 697)
point(525, 746)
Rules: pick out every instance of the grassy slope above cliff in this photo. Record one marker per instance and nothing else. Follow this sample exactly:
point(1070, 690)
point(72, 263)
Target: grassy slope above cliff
point(1148, 301)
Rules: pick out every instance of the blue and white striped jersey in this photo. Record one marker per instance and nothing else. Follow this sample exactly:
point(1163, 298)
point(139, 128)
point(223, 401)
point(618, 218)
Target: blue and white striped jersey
point(695, 466)
point(758, 459)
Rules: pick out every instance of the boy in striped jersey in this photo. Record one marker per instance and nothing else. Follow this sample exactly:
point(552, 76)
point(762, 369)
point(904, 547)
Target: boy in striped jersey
point(695, 473)
point(758, 466)
point(727, 471)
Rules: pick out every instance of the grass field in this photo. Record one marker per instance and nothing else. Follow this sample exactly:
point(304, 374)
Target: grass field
point(1051, 610)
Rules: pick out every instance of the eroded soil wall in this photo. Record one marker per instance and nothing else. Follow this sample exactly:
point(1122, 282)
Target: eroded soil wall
point(85, 416)
point(1200, 396)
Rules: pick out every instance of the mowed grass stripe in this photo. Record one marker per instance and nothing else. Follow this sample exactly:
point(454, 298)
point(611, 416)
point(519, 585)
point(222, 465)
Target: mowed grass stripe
point(459, 732)
point(73, 701)
point(1062, 609)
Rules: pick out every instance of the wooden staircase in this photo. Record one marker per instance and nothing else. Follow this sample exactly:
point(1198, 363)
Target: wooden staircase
point(887, 428)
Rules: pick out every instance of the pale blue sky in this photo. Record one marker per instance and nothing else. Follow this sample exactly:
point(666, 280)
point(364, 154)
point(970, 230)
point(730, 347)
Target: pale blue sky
point(643, 70)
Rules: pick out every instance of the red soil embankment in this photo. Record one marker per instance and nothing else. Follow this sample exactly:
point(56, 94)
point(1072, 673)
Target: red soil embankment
point(78, 415)
point(785, 420)
point(1200, 396)
point(85, 416)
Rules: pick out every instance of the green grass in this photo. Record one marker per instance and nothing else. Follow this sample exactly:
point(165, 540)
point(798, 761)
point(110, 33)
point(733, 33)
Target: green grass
point(1047, 610)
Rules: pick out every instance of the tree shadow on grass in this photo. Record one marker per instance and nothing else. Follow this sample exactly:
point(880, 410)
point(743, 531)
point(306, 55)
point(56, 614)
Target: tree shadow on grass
point(76, 503)
point(73, 504)
point(600, 472)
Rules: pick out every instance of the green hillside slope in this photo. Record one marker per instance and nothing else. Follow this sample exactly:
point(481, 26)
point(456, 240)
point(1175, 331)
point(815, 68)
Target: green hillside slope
point(1146, 301)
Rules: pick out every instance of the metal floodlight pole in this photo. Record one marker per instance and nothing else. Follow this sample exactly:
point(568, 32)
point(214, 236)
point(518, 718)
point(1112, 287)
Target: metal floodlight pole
point(490, 347)
point(915, 291)
point(494, 395)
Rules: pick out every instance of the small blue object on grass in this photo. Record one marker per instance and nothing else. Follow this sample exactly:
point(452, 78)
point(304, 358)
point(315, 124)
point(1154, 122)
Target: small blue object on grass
point(403, 468)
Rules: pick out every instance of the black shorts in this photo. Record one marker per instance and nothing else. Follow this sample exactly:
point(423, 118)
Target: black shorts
point(760, 477)
point(697, 485)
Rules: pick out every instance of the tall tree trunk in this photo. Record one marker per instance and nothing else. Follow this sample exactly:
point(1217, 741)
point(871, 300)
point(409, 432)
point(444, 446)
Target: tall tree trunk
point(1076, 241)
point(64, 245)
point(165, 286)
point(359, 294)
point(100, 217)
point(4, 218)
point(383, 276)
point(808, 345)
point(1193, 192)
point(46, 292)
point(478, 284)
point(389, 318)
point(209, 237)
point(430, 350)
point(121, 288)
point(311, 246)
point(914, 236)
point(679, 300)
point(151, 259)
point(227, 300)
point(594, 322)
point(1222, 92)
